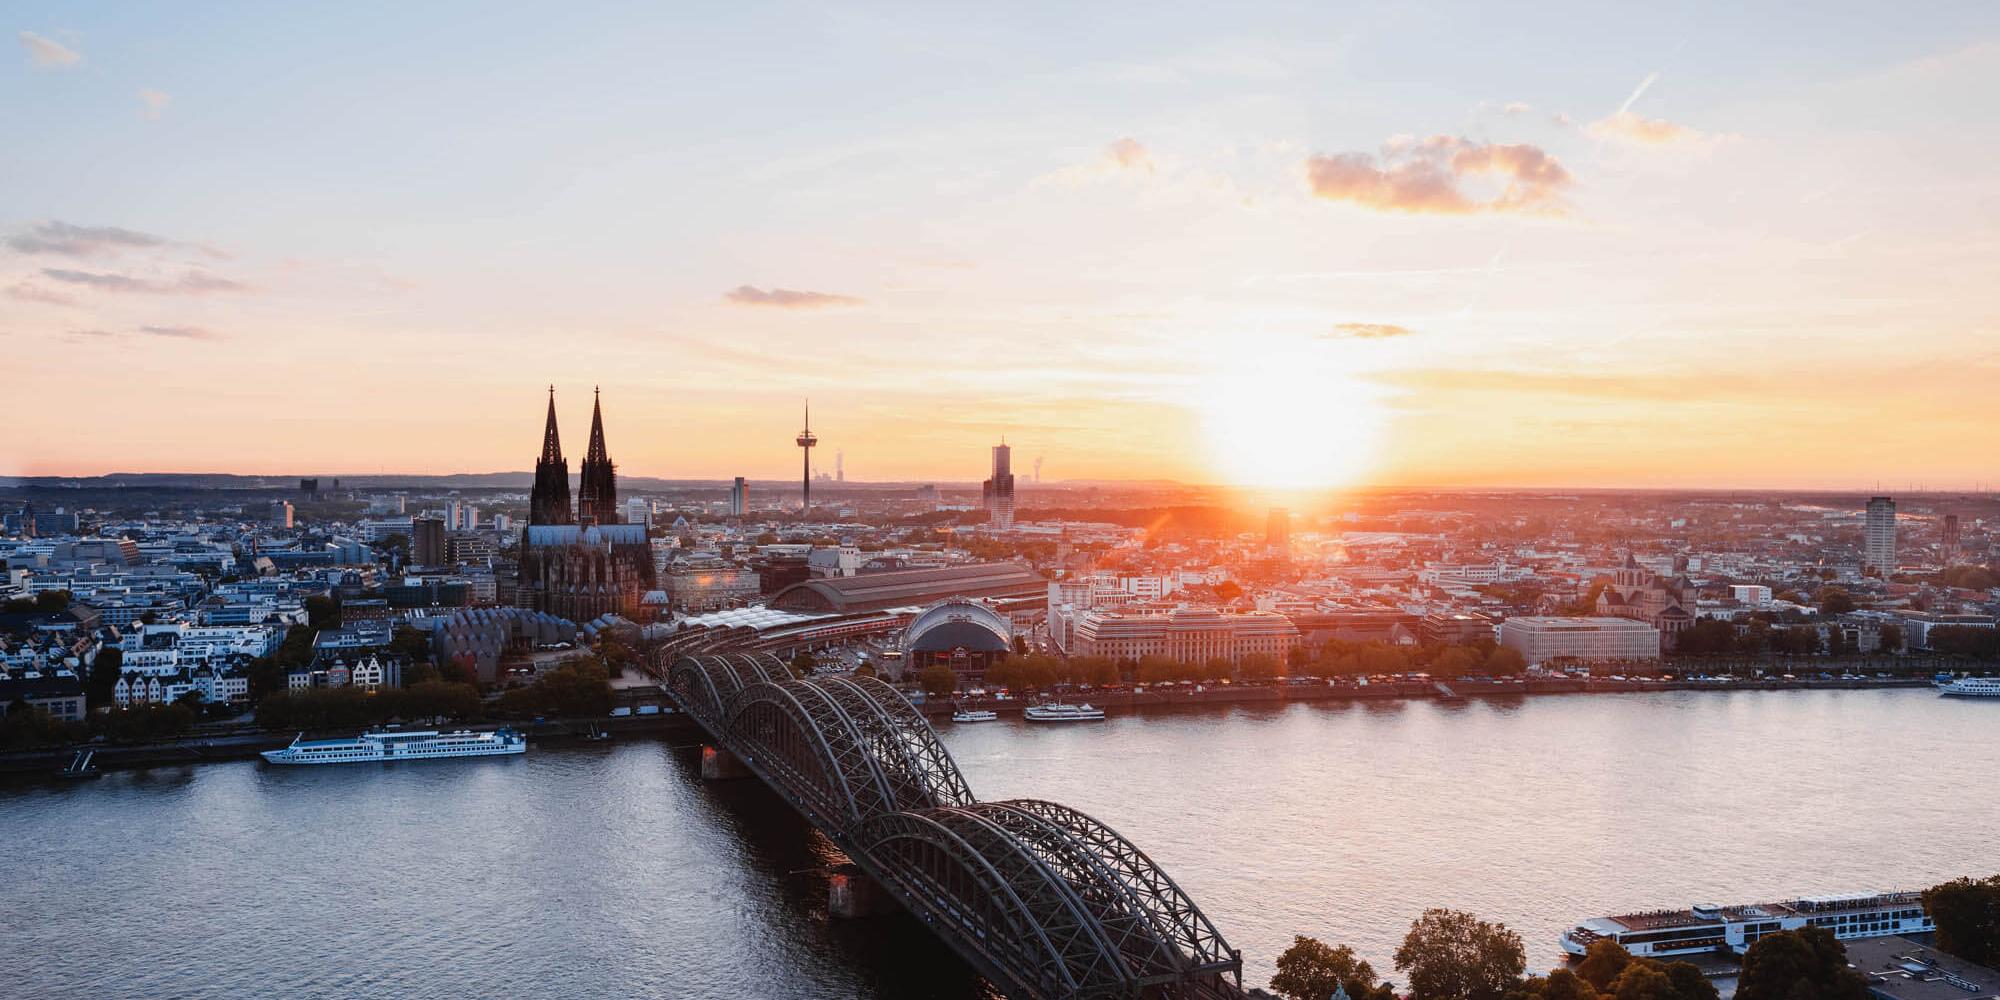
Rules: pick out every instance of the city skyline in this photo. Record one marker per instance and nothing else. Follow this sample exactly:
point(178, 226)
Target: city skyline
point(1252, 254)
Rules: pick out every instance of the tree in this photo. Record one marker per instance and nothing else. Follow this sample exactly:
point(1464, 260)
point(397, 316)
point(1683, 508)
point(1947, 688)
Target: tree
point(803, 663)
point(577, 689)
point(938, 680)
point(1891, 638)
point(1603, 963)
point(52, 600)
point(1259, 667)
point(104, 670)
point(1456, 661)
point(1504, 661)
point(1835, 601)
point(1805, 964)
point(322, 611)
point(1450, 955)
point(410, 644)
point(1313, 970)
point(1967, 912)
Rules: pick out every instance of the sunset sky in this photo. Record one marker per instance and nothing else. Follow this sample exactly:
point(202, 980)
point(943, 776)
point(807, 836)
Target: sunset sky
point(1589, 245)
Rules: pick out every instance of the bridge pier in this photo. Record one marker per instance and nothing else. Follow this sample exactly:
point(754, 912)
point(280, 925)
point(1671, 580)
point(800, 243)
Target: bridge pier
point(718, 764)
point(851, 894)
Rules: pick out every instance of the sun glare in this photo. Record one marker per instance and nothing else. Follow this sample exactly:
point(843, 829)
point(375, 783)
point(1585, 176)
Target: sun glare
point(1290, 419)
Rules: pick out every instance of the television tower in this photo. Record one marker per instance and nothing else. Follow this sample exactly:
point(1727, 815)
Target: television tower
point(806, 441)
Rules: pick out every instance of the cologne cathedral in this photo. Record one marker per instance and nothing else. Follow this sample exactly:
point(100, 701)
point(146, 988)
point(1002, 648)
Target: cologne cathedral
point(581, 562)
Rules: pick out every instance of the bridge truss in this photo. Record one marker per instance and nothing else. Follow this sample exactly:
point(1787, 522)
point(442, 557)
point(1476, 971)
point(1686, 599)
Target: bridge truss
point(1044, 901)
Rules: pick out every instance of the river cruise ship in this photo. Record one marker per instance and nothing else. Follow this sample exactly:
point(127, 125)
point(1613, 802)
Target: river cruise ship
point(1706, 927)
point(397, 744)
point(1971, 687)
point(1060, 712)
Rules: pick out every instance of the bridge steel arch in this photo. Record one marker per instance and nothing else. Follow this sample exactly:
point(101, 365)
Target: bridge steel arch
point(1044, 901)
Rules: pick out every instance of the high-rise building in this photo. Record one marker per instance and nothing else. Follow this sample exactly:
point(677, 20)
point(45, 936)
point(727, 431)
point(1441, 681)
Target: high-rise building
point(1278, 531)
point(806, 440)
point(549, 501)
point(1948, 542)
point(1879, 549)
point(281, 514)
point(597, 487)
point(840, 466)
point(998, 492)
point(739, 498)
point(638, 511)
point(427, 543)
point(468, 518)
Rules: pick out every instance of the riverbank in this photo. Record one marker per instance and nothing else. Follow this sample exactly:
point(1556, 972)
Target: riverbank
point(245, 744)
point(1166, 696)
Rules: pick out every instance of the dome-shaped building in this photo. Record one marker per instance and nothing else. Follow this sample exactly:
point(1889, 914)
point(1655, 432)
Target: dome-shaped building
point(964, 635)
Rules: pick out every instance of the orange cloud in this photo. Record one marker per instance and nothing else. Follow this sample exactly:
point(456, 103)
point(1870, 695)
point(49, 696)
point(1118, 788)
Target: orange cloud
point(1634, 127)
point(48, 52)
point(191, 283)
point(1424, 176)
point(1369, 331)
point(786, 298)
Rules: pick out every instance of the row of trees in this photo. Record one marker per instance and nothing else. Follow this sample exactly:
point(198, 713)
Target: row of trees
point(353, 708)
point(25, 727)
point(577, 688)
point(1348, 659)
point(1334, 659)
point(1451, 955)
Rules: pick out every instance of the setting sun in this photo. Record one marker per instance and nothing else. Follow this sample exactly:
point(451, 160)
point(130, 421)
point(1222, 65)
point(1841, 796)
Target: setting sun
point(1290, 418)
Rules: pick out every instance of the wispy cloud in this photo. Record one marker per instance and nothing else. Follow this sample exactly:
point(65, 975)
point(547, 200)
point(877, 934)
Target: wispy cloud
point(1425, 175)
point(47, 52)
point(59, 237)
point(181, 332)
point(1634, 127)
point(1123, 155)
point(786, 298)
point(22, 291)
point(163, 332)
point(1368, 331)
point(191, 283)
point(155, 103)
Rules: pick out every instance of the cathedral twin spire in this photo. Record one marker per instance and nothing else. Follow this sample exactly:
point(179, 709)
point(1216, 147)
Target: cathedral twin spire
point(597, 493)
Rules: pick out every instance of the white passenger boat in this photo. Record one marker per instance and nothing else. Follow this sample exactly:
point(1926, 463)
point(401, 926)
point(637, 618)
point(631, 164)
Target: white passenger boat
point(1060, 712)
point(396, 744)
point(1971, 687)
point(1706, 927)
point(974, 715)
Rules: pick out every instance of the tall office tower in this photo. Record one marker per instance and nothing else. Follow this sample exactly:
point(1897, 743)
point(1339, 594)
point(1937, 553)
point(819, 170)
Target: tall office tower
point(1949, 543)
point(427, 548)
point(1278, 531)
point(469, 518)
point(403, 499)
point(1879, 553)
point(549, 502)
point(998, 492)
point(840, 466)
point(281, 514)
point(456, 515)
point(806, 441)
point(597, 488)
point(638, 511)
point(739, 498)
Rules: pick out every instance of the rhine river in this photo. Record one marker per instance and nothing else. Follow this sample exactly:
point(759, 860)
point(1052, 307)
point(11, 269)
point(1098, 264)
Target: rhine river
point(612, 872)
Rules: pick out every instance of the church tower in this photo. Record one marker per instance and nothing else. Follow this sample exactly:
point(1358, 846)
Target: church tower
point(597, 493)
point(549, 503)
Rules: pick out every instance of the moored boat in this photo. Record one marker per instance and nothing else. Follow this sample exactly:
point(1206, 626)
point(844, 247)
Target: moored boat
point(1970, 687)
point(1061, 712)
point(395, 744)
point(1706, 927)
point(974, 715)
